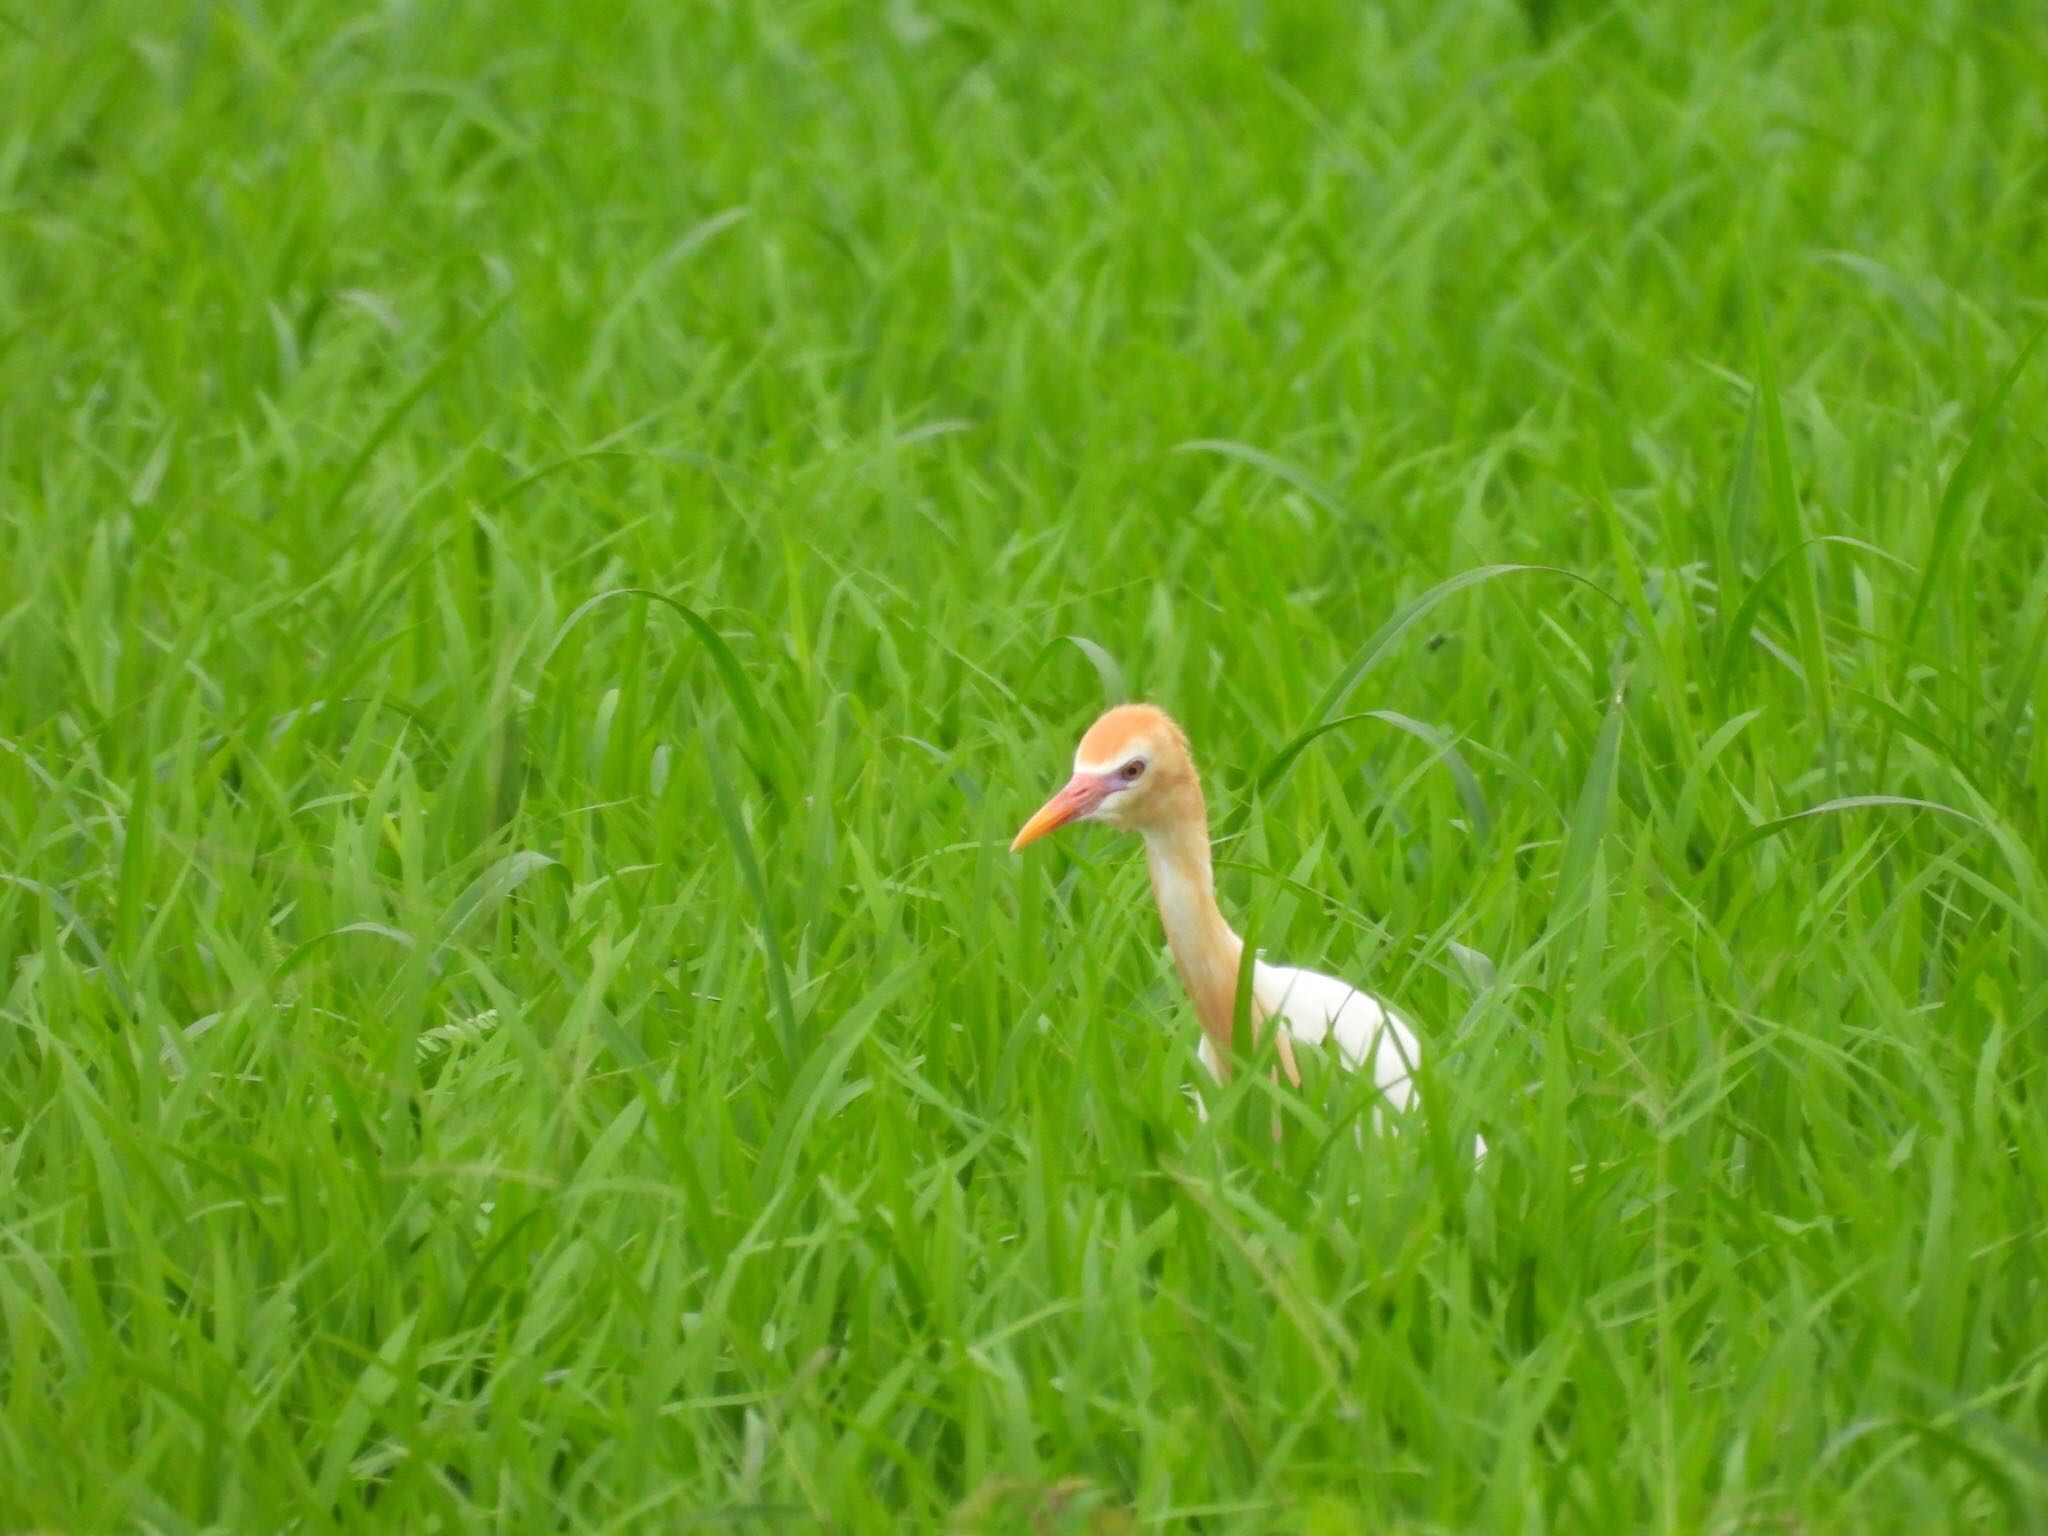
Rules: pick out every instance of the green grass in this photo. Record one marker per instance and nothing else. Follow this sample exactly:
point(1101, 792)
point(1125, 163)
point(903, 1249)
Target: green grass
point(484, 1050)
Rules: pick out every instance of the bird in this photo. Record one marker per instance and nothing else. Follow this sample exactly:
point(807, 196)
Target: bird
point(1134, 771)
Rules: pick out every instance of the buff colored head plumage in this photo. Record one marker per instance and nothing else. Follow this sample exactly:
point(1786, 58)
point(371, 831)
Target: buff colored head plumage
point(1133, 771)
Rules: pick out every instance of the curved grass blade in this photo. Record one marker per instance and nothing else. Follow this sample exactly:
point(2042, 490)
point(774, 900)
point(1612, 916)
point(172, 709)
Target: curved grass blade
point(1454, 760)
point(1317, 491)
point(732, 677)
point(305, 951)
point(1370, 654)
point(486, 892)
point(1744, 621)
point(1766, 829)
point(1114, 687)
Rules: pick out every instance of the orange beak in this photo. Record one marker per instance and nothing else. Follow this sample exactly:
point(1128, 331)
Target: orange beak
point(1083, 793)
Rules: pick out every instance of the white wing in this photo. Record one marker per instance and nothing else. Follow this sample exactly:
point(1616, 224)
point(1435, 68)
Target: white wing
point(1313, 1007)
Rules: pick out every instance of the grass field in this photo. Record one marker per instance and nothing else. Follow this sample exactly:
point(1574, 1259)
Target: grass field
point(545, 550)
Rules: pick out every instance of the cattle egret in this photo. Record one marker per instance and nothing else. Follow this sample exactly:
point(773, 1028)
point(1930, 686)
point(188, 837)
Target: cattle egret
point(1133, 771)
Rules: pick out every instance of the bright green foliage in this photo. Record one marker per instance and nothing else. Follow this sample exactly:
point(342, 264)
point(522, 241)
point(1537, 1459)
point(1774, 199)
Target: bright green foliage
point(486, 1048)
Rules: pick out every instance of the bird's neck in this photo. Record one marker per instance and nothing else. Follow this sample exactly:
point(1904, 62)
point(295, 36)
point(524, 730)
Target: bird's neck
point(1206, 950)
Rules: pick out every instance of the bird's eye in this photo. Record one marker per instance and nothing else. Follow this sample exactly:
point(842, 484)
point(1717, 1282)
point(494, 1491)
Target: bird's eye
point(1133, 770)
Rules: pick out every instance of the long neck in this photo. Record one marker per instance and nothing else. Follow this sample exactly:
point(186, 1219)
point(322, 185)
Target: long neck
point(1206, 951)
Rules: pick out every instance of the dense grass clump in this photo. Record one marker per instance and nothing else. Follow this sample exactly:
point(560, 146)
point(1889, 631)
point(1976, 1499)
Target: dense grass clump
point(544, 550)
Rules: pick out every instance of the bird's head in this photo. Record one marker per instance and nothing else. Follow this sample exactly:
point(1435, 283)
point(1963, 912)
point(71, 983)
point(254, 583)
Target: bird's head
point(1132, 770)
